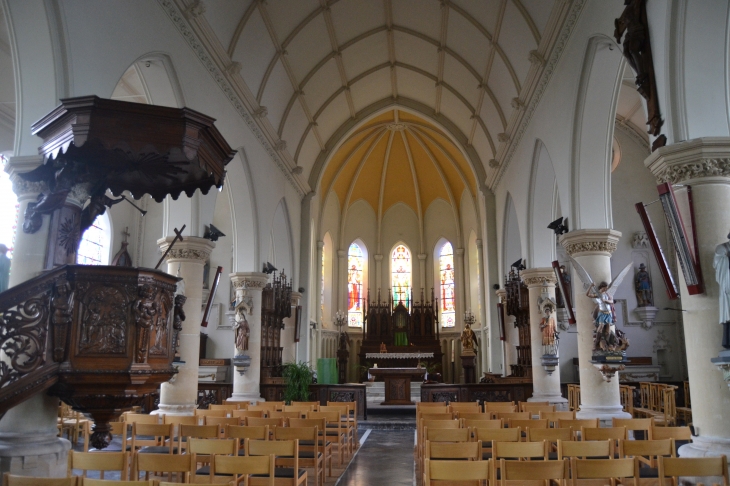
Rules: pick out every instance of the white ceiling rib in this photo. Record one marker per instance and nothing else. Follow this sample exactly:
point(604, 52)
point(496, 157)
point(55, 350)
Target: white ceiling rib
point(309, 39)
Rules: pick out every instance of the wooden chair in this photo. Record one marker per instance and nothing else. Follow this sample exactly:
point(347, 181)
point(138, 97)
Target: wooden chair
point(312, 404)
point(445, 436)
point(524, 451)
point(524, 424)
point(604, 433)
point(437, 416)
point(322, 443)
point(547, 471)
point(286, 415)
point(474, 416)
point(240, 433)
point(534, 410)
point(242, 414)
point(183, 419)
point(271, 422)
point(465, 407)
point(172, 464)
point(13, 480)
point(626, 394)
point(242, 405)
point(595, 449)
point(676, 467)
point(574, 397)
point(504, 407)
point(352, 419)
point(512, 415)
point(667, 414)
point(454, 450)
point(551, 436)
point(455, 471)
point(345, 422)
point(313, 459)
point(286, 453)
point(225, 406)
point(245, 467)
point(99, 461)
point(553, 417)
point(143, 418)
point(681, 435)
point(334, 431)
point(441, 424)
point(212, 413)
point(577, 425)
point(188, 432)
point(153, 439)
point(299, 408)
point(484, 424)
point(222, 422)
point(644, 400)
point(202, 452)
point(634, 425)
point(610, 469)
point(647, 452)
point(107, 482)
point(488, 436)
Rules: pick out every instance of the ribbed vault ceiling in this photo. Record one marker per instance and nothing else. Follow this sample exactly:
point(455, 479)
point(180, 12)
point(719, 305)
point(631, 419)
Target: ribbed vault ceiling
point(398, 157)
point(315, 65)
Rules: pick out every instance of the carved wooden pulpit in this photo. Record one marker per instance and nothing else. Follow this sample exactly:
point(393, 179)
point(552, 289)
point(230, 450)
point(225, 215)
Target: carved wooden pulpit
point(101, 337)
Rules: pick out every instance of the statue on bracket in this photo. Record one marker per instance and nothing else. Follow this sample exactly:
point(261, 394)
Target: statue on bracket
point(642, 285)
point(241, 327)
point(468, 340)
point(607, 341)
point(721, 264)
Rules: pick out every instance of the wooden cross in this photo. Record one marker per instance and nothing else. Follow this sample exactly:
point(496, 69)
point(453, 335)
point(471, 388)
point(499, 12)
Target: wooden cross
point(178, 236)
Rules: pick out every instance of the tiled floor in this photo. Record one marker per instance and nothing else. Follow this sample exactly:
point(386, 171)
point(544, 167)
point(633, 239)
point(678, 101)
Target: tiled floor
point(386, 458)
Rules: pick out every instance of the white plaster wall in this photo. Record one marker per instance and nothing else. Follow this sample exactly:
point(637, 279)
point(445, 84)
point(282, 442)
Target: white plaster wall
point(439, 223)
point(361, 225)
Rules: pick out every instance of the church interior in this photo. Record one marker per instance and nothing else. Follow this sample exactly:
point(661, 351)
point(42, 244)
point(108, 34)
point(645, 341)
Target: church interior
point(394, 216)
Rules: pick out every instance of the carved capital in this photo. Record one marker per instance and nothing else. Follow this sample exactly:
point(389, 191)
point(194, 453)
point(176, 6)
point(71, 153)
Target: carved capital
point(501, 295)
point(590, 242)
point(378, 258)
point(536, 277)
point(192, 249)
point(699, 160)
point(249, 280)
point(21, 187)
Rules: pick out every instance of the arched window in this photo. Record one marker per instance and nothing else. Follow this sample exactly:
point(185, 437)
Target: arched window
point(400, 280)
point(94, 246)
point(355, 279)
point(446, 275)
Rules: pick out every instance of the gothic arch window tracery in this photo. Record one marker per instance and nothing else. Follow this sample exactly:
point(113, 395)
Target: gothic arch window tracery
point(95, 243)
point(355, 284)
point(401, 279)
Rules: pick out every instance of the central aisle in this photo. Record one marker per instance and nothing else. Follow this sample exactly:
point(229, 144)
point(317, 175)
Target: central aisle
point(385, 458)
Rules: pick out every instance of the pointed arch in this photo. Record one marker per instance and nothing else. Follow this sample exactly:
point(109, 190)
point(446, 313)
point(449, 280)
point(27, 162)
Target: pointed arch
point(401, 273)
point(357, 268)
point(282, 250)
point(445, 272)
point(151, 79)
point(543, 182)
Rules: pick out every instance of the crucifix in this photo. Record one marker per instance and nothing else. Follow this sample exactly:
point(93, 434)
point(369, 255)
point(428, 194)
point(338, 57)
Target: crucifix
point(178, 236)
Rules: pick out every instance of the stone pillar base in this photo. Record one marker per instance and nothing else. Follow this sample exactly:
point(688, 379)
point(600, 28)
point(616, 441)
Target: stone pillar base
point(703, 446)
point(605, 415)
point(167, 409)
point(252, 397)
point(560, 403)
point(28, 454)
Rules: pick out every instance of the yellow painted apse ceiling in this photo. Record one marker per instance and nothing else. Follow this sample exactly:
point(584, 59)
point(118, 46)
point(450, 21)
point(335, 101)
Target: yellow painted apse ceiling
point(397, 157)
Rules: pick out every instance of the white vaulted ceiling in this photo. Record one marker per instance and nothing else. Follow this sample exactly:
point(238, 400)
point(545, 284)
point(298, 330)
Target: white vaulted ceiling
point(316, 66)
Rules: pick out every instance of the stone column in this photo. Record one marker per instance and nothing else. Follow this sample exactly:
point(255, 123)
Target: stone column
point(460, 281)
point(592, 248)
point(704, 164)
point(424, 281)
point(378, 274)
point(28, 442)
point(248, 286)
point(188, 257)
point(486, 350)
point(341, 282)
point(318, 284)
point(546, 387)
point(500, 354)
point(28, 262)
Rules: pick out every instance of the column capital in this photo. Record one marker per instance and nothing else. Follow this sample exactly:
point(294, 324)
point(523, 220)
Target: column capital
point(378, 257)
point(342, 253)
point(536, 277)
point(422, 256)
point(700, 160)
point(19, 165)
point(479, 242)
point(590, 242)
point(459, 251)
point(249, 280)
point(320, 244)
point(192, 249)
point(295, 298)
point(501, 294)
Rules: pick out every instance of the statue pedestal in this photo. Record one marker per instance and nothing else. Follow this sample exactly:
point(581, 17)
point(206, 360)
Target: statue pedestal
point(468, 362)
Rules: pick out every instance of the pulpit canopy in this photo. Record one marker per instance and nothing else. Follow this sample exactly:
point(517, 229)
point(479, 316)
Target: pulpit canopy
point(123, 146)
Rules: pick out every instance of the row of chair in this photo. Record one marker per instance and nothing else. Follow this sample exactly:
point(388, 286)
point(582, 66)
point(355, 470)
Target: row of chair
point(571, 472)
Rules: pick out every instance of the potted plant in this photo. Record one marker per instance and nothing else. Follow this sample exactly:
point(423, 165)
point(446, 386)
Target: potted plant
point(432, 375)
point(365, 376)
point(297, 378)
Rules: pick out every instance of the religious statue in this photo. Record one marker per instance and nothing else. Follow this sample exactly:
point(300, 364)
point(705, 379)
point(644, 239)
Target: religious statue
point(642, 285)
point(721, 264)
point(178, 318)
point(605, 341)
point(383, 349)
point(145, 312)
point(241, 327)
point(62, 312)
point(547, 323)
point(468, 340)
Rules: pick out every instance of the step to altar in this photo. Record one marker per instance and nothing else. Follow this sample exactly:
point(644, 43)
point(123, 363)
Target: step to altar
point(375, 392)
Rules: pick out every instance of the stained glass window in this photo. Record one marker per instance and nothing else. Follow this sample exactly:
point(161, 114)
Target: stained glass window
point(94, 246)
point(355, 267)
point(400, 280)
point(446, 270)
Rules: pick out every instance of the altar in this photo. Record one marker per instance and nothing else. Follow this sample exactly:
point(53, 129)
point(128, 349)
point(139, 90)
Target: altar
point(398, 383)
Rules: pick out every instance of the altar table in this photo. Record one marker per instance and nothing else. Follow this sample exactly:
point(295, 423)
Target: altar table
point(398, 383)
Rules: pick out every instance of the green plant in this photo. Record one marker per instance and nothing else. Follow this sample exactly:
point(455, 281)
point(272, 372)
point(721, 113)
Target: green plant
point(430, 366)
point(364, 368)
point(297, 378)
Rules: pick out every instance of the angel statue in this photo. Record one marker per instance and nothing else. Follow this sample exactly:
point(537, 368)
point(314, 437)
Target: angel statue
point(607, 341)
